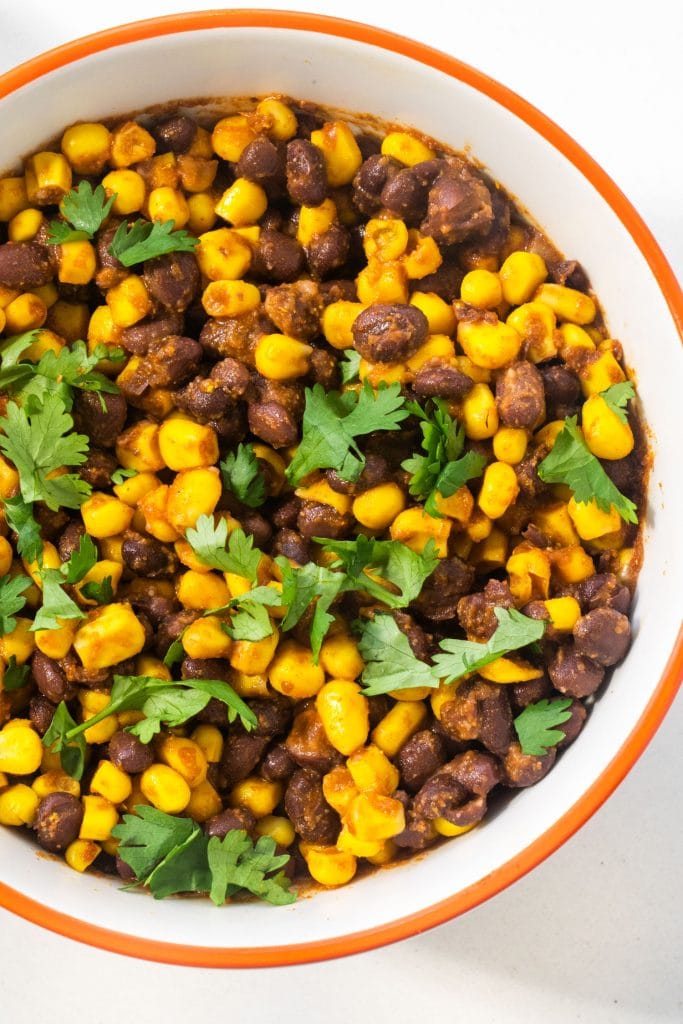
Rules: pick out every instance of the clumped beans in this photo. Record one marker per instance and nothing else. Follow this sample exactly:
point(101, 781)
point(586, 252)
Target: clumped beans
point(450, 294)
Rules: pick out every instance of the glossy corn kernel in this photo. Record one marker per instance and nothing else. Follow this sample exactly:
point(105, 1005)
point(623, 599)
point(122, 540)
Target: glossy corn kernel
point(529, 571)
point(200, 591)
point(344, 713)
point(350, 843)
point(25, 225)
point(383, 373)
point(377, 507)
point(293, 673)
point(491, 553)
point(55, 643)
point(26, 313)
point(249, 686)
point(9, 479)
point(105, 516)
point(371, 769)
point(571, 337)
point(489, 345)
point(99, 818)
point(243, 203)
point(109, 635)
point(414, 528)
point(437, 346)
point(327, 865)
point(49, 560)
point(321, 492)
point(281, 121)
point(193, 493)
point(48, 178)
point(599, 372)
point(55, 781)
point(134, 488)
point(231, 135)
point(446, 828)
point(382, 282)
point(223, 255)
point(253, 657)
point(205, 638)
point(567, 303)
point(80, 854)
point(86, 146)
point(606, 435)
point(279, 357)
point(278, 828)
point(210, 740)
point(204, 802)
point(564, 613)
point(19, 643)
point(337, 320)
point(340, 657)
point(18, 805)
point(440, 315)
point(6, 556)
point(184, 444)
point(499, 489)
point(340, 150)
point(385, 239)
point(153, 510)
point(406, 148)
point(520, 276)
point(479, 526)
point(111, 783)
point(315, 220)
point(230, 298)
point(510, 444)
point(372, 817)
point(480, 413)
point(339, 789)
point(165, 204)
point(185, 757)
point(257, 795)
point(77, 262)
point(535, 323)
point(13, 197)
point(458, 506)
point(422, 256)
point(510, 670)
point(128, 301)
point(571, 564)
point(165, 789)
point(481, 288)
point(129, 189)
point(591, 521)
point(196, 175)
point(130, 144)
point(398, 725)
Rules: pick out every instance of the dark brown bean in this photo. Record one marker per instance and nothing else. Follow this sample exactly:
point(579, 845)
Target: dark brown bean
point(129, 753)
point(315, 520)
point(205, 668)
point(418, 833)
point(439, 380)
point(420, 641)
point(603, 635)
point(307, 742)
point(24, 265)
point(324, 369)
point(479, 711)
point(41, 711)
point(229, 820)
point(376, 471)
point(140, 338)
point(444, 282)
point(562, 391)
point(169, 624)
point(257, 526)
point(385, 333)
point(173, 280)
point(50, 679)
point(203, 400)
point(98, 468)
point(419, 758)
point(295, 308)
point(109, 270)
point(458, 790)
point(278, 764)
point(338, 291)
point(459, 205)
point(287, 393)
point(263, 161)
point(273, 716)
point(173, 362)
point(328, 252)
point(522, 770)
point(232, 376)
point(306, 807)
point(175, 134)
point(273, 424)
point(95, 678)
point(70, 540)
point(523, 694)
point(58, 821)
point(292, 545)
point(102, 425)
point(573, 674)
point(146, 556)
point(242, 751)
point(372, 176)
point(124, 870)
point(475, 612)
point(571, 274)
point(405, 196)
point(277, 257)
point(520, 397)
point(214, 713)
point(306, 174)
point(603, 591)
point(451, 580)
point(151, 598)
point(573, 726)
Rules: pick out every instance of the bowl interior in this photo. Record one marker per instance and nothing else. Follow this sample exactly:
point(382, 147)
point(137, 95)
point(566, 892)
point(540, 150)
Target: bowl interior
point(363, 77)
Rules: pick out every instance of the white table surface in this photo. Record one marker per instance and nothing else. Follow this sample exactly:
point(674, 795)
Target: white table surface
point(594, 934)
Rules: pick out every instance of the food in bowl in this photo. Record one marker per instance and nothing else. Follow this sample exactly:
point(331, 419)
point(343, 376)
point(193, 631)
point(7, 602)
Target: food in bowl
point(321, 478)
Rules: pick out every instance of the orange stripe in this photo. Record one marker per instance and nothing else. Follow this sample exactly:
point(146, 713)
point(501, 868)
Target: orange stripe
point(595, 796)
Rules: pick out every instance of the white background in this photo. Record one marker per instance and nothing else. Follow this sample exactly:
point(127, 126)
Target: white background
point(596, 933)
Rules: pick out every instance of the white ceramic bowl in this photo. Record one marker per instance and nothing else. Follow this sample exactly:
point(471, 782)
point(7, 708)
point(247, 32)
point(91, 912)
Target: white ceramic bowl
point(224, 53)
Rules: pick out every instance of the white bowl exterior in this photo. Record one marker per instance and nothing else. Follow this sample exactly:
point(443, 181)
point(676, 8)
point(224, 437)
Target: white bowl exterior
point(359, 77)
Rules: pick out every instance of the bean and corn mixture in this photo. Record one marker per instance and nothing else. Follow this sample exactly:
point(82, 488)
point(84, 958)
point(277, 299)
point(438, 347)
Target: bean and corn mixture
point(320, 479)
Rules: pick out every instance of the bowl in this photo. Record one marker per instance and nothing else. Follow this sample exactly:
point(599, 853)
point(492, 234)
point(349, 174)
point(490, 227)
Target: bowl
point(342, 64)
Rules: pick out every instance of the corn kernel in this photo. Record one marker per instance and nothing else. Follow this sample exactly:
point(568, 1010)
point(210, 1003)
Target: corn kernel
point(185, 757)
point(343, 711)
point(111, 783)
point(13, 197)
point(165, 789)
point(607, 436)
point(100, 571)
point(458, 506)
point(19, 643)
point(315, 220)
point(25, 225)
point(339, 656)
point(252, 658)
point(599, 372)
point(571, 564)
point(80, 854)
point(6, 556)
point(193, 493)
point(327, 865)
point(105, 516)
point(349, 843)
point(567, 303)
point(437, 346)
point(382, 282)
point(257, 795)
point(204, 638)
point(440, 315)
point(385, 239)
point(55, 643)
point(446, 828)
point(134, 488)
point(489, 345)
point(564, 613)
point(243, 203)
point(337, 322)
point(406, 148)
point(204, 802)
point(481, 288)
point(110, 634)
point(372, 817)
point(86, 147)
point(210, 740)
point(339, 789)
point(202, 590)
point(398, 725)
point(165, 204)
point(591, 521)
point(510, 670)
point(490, 553)
point(25, 313)
point(223, 255)
point(529, 571)
point(130, 144)
point(230, 298)
point(570, 337)
point(129, 189)
point(153, 511)
point(128, 301)
point(340, 150)
point(480, 413)
point(371, 769)
point(422, 256)
point(293, 673)
point(184, 444)
point(48, 178)
point(55, 781)
point(18, 805)
point(499, 489)
point(414, 528)
point(377, 507)
point(279, 357)
point(520, 276)
point(535, 323)
point(99, 818)
point(230, 137)
point(510, 444)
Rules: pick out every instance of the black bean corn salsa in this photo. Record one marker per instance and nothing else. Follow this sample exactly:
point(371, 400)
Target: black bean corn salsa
point(320, 478)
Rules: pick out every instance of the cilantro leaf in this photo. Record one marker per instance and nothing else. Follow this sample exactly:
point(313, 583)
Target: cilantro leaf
point(617, 398)
point(121, 474)
point(536, 725)
point(172, 705)
point(56, 603)
point(237, 864)
point(251, 622)
point(39, 440)
point(102, 592)
point(365, 559)
point(184, 869)
point(65, 737)
point(452, 477)
point(208, 542)
point(60, 372)
point(148, 836)
point(242, 475)
point(301, 587)
point(80, 561)
point(461, 657)
point(571, 463)
point(175, 653)
point(333, 421)
point(390, 662)
point(20, 518)
point(85, 209)
point(11, 600)
point(16, 676)
point(350, 365)
point(12, 348)
point(145, 240)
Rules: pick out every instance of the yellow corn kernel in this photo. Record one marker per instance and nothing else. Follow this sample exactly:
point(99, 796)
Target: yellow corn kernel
point(590, 520)
point(134, 488)
point(458, 506)
point(55, 643)
point(372, 817)
point(442, 696)
point(193, 493)
point(103, 331)
point(105, 516)
point(387, 852)
point(25, 225)
point(25, 313)
point(340, 150)
point(480, 414)
point(223, 255)
point(567, 303)
point(509, 445)
point(48, 178)
point(327, 865)
point(339, 656)
point(165, 789)
point(337, 320)
point(13, 197)
point(499, 489)
point(69, 319)
point(571, 564)
point(478, 374)
point(165, 203)
point(315, 220)
point(99, 818)
point(77, 263)
point(9, 479)
point(479, 526)
point(201, 144)
point(406, 148)
point(371, 769)
point(204, 802)
point(153, 509)
point(439, 313)
point(343, 711)
point(490, 553)
point(6, 556)
point(19, 643)
point(86, 147)
point(398, 725)
point(382, 373)
point(100, 732)
point(18, 805)
point(185, 757)
point(80, 854)
point(50, 761)
point(520, 276)
point(204, 638)
point(243, 203)
point(111, 549)
point(510, 670)
point(605, 433)
point(293, 673)
point(446, 828)
point(349, 843)
point(570, 337)
point(111, 783)
point(422, 256)
point(129, 189)
point(489, 345)
point(231, 135)
point(535, 323)
point(100, 571)
point(280, 120)
point(130, 144)
point(481, 288)
point(249, 686)
point(128, 301)
point(599, 373)
point(339, 789)
point(377, 507)
point(279, 357)
point(414, 528)
point(385, 239)
point(437, 346)
point(230, 298)
point(555, 522)
point(55, 781)
point(185, 444)
point(210, 740)
point(564, 613)
point(50, 560)
point(529, 571)
point(382, 282)
point(202, 590)
point(258, 795)
point(110, 634)
point(279, 829)
point(252, 657)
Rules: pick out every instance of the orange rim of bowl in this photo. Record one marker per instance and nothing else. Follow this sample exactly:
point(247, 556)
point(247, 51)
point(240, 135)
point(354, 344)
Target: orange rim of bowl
point(634, 745)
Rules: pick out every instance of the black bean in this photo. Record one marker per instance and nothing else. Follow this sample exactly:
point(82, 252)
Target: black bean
point(50, 679)
point(306, 807)
point(272, 423)
point(175, 134)
point(574, 674)
point(388, 333)
point(146, 556)
point(520, 397)
point(102, 425)
point(24, 265)
point(58, 821)
point(439, 380)
point(306, 174)
point(328, 252)
point(277, 257)
point(129, 753)
point(173, 280)
point(603, 635)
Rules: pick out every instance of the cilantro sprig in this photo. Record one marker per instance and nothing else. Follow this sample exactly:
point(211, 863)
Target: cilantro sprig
point(386, 569)
point(536, 726)
point(243, 476)
point(332, 422)
point(144, 240)
point(85, 210)
point(513, 632)
point(171, 855)
point(617, 397)
point(15, 676)
point(59, 373)
point(570, 462)
point(56, 603)
point(208, 541)
point(301, 587)
point(12, 600)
